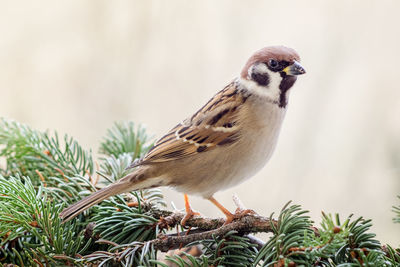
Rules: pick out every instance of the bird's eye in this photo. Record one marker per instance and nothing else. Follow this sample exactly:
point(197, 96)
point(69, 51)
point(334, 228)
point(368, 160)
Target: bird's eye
point(273, 63)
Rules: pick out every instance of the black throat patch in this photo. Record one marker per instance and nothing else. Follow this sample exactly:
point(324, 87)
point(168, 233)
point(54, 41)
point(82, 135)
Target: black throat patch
point(286, 83)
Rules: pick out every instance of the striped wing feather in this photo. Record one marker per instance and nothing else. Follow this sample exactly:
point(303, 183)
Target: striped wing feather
point(215, 124)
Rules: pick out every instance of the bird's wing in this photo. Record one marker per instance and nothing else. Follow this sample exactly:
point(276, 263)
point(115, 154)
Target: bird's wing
point(215, 124)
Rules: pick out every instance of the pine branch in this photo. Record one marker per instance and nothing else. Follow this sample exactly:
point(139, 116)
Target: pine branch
point(28, 218)
point(298, 240)
point(245, 225)
point(124, 138)
point(27, 151)
point(44, 173)
point(396, 210)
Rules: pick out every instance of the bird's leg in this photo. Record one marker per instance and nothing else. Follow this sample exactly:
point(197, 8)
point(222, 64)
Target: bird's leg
point(228, 214)
point(189, 212)
point(239, 213)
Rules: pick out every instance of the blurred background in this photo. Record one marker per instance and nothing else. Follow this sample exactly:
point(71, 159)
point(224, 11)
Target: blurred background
point(78, 66)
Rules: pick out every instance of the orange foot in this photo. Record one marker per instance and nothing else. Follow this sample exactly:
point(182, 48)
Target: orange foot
point(189, 212)
point(239, 213)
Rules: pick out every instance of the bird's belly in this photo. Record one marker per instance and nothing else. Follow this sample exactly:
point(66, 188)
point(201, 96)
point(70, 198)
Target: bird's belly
point(255, 152)
point(230, 165)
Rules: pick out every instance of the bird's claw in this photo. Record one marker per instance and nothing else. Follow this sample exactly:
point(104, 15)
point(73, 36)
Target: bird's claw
point(239, 213)
point(189, 214)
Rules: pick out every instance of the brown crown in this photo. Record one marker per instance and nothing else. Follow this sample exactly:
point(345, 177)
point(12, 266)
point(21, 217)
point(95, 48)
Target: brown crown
point(270, 52)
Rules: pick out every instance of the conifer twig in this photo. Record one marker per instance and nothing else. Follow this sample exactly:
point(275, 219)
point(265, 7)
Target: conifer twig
point(206, 228)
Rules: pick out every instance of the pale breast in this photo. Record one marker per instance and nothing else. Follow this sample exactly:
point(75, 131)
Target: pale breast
point(228, 166)
point(259, 141)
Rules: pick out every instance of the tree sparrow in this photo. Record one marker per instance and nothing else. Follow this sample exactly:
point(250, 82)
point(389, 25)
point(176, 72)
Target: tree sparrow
point(224, 143)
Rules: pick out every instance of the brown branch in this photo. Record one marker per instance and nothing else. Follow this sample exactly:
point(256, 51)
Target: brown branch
point(200, 228)
point(208, 228)
point(173, 218)
point(204, 228)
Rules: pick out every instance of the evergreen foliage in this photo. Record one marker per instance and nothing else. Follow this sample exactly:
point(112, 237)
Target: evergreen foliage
point(44, 173)
point(27, 150)
point(396, 210)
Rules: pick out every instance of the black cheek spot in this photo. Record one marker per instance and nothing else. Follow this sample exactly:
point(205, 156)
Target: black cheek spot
point(260, 78)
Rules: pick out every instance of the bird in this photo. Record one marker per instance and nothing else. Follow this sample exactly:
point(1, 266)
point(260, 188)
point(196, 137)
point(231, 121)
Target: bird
point(225, 142)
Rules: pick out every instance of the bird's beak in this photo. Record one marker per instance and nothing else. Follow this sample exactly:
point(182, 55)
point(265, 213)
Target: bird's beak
point(294, 69)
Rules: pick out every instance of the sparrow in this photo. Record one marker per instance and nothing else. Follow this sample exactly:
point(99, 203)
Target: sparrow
point(224, 143)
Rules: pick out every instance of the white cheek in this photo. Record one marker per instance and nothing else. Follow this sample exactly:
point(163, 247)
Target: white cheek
point(258, 68)
point(270, 91)
point(275, 79)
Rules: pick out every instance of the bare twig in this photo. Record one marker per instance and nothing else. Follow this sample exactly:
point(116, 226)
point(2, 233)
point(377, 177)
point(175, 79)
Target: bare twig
point(238, 202)
point(256, 240)
point(208, 228)
point(202, 228)
point(173, 218)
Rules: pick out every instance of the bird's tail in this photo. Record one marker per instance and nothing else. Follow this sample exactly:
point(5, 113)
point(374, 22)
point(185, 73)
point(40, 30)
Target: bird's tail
point(123, 185)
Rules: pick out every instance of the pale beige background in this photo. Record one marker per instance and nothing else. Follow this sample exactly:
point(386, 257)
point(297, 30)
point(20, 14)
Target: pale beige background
point(77, 66)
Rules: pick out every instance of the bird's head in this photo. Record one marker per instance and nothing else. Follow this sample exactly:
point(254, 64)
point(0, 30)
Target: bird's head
point(271, 72)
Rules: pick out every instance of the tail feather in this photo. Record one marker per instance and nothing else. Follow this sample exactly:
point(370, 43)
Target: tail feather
point(138, 179)
point(82, 205)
